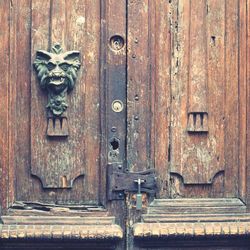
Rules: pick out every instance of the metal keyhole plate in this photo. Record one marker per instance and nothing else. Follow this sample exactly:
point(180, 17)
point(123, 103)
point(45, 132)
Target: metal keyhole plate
point(117, 106)
point(116, 42)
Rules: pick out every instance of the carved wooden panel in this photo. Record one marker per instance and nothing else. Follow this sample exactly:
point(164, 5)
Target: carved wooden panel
point(185, 122)
point(54, 169)
point(197, 153)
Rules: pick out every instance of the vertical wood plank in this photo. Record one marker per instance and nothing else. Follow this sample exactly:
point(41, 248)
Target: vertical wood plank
point(231, 99)
point(179, 77)
point(91, 65)
point(39, 39)
point(215, 43)
point(4, 102)
point(83, 34)
point(243, 98)
point(160, 88)
point(21, 66)
point(12, 101)
point(248, 100)
point(138, 94)
point(198, 58)
point(58, 23)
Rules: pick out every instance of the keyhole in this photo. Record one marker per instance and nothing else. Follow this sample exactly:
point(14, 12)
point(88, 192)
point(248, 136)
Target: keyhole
point(116, 42)
point(117, 106)
point(114, 143)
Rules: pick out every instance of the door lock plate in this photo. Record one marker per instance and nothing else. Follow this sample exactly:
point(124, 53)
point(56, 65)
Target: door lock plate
point(120, 182)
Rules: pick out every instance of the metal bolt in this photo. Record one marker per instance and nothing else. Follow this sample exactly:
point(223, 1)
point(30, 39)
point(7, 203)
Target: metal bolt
point(136, 97)
point(113, 129)
point(136, 117)
point(133, 56)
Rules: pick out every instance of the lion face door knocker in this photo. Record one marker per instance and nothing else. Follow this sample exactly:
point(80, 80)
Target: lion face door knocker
point(56, 71)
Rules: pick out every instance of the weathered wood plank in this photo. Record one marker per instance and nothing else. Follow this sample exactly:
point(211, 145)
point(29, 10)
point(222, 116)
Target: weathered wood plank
point(248, 102)
point(243, 24)
point(160, 88)
point(39, 39)
point(231, 99)
point(82, 33)
point(4, 102)
point(180, 13)
point(58, 23)
point(138, 94)
point(21, 66)
point(197, 82)
point(215, 31)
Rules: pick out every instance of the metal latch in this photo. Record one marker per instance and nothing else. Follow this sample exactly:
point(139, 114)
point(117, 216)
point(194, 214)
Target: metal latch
point(120, 182)
point(139, 182)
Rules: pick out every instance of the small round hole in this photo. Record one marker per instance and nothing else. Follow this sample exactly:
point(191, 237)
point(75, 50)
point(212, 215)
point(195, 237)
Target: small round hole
point(116, 42)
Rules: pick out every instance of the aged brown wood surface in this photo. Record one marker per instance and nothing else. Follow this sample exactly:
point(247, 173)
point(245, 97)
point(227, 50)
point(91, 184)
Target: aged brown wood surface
point(246, 18)
point(77, 155)
point(4, 102)
point(180, 69)
point(207, 75)
point(196, 158)
point(81, 152)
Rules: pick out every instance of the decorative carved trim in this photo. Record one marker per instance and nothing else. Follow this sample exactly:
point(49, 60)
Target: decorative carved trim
point(167, 218)
point(192, 229)
point(54, 227)
point(197, 122)
point(56, 72)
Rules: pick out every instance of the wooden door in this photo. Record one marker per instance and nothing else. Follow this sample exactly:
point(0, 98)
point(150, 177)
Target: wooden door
point(46, 168)
point(187, 64)
point(133, 86)
point(52, 148)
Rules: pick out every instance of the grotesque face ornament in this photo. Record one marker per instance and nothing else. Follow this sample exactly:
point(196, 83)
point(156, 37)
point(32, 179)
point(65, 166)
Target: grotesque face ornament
point(56, 71)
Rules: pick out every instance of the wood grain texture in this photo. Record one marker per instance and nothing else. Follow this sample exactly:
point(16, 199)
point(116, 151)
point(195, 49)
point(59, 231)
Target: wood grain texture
point(161, 91)
point(148, 89)
point(138, 84)
point(86, 142)
point(197, 158)
point(243, 57)
point(178, 57)
point(4, 103)
point(20, 97)
point(197, 82)
point(248, 101)
point(231, 99)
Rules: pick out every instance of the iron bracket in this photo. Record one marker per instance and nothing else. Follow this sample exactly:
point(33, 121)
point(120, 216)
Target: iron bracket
point(120, 182)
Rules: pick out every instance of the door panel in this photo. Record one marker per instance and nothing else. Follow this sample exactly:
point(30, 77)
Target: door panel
point(149, 88)
point(41, 162)
point(183, 65)
point(190, 116)
point(208, 158)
